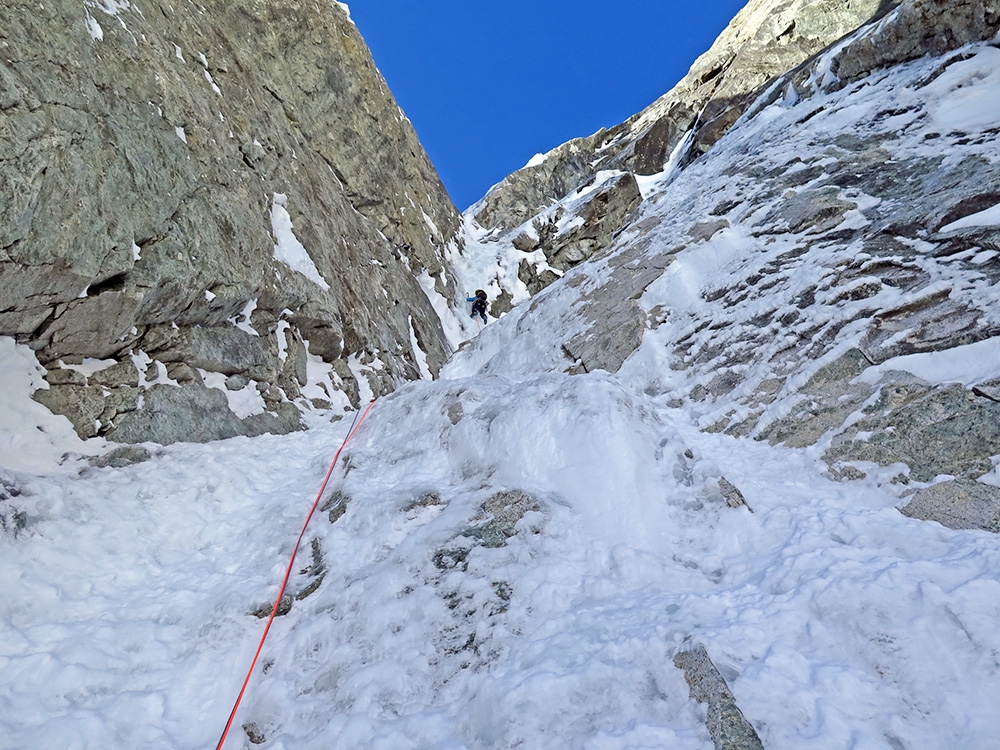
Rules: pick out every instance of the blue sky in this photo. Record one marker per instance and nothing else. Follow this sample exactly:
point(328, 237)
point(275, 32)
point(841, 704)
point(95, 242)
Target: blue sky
point(489, 84)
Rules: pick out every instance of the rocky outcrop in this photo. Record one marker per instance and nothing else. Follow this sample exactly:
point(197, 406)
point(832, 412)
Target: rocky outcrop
point(726, 724)
point(228, 190)
point(958, 505)
point(576, 230)
point(918, 28)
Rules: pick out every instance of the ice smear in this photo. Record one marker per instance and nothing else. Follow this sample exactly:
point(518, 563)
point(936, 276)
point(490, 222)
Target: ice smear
point(969, 364)
point(989, 217)
point(288, 249)
point(966, 96)
point(94, 29)
point(89, 366)
point(242, 321)
point(322, 382)
point(280, 333)
point(358, 370)
point(418, 353)
point(244, 402)
point(455, 330)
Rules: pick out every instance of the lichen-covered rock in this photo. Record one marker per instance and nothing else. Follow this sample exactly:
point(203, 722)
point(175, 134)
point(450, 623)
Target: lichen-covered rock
point(934, 430)
point(221, 187)
point(961, 504)
point(502, 511)
point(726, 724)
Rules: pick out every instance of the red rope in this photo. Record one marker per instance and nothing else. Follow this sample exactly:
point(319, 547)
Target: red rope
point(288, 572)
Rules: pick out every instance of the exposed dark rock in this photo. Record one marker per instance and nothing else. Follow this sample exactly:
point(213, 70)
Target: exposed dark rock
point(990, 390)
point(598, 219)
point(734, 498)
point(525, 243)
point(707, 229)
point(123, 456)
point(456, 412)
point(92, 411)
point(918, 28)
point(315, 572)
point(503, 510)
point(535, 281)
point(264, 610)
point(337, 505)
point(126, 374)
point(933, 323)
point(726, 724)
point(254, 733)
point(615, 323)
point(502, 304)
point(13, 520)
point(65, 377)
point(530, 190)
point(427, 500)
point(610, 340)
point(279, 419)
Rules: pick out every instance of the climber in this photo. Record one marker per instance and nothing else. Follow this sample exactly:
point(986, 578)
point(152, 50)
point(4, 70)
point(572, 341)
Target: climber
point(478, 305)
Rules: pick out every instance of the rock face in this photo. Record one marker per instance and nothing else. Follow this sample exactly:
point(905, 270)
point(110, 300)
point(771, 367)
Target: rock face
point(958, 505)
point(766, 39)
point(230, 187)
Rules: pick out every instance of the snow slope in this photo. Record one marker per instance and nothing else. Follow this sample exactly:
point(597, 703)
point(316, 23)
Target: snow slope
point(522, 554)
point(839, 622)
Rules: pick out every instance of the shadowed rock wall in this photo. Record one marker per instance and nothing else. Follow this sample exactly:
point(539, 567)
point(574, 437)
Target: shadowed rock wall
point(149, 154)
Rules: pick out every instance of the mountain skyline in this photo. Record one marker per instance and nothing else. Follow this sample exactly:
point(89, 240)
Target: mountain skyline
point(484, 103)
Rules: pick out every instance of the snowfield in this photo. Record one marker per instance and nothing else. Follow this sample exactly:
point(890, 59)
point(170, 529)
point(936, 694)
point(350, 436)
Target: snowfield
point(837, 621)
point(510, 556)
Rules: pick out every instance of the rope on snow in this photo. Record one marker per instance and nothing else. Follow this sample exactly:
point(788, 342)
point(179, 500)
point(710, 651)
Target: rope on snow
point(288, 571)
